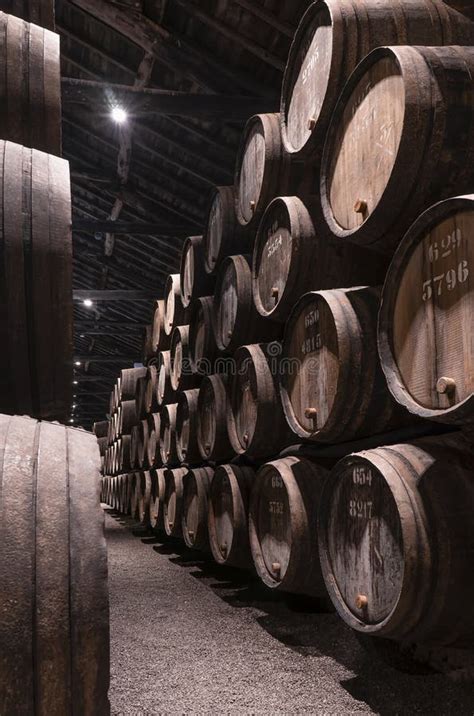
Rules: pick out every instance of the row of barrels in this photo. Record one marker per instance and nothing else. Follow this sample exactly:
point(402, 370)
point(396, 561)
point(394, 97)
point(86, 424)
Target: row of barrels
point(378, 532)
point(35, 222)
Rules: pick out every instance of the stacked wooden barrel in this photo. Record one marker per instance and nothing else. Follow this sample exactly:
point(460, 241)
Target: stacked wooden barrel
point(304, 319)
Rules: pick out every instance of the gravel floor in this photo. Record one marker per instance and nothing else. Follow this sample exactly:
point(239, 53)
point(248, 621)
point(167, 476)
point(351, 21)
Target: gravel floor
point(190, 638)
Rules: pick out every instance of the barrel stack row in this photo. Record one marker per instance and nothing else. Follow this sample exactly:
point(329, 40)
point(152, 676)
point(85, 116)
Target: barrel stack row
point(54, 614)
point(329, 300)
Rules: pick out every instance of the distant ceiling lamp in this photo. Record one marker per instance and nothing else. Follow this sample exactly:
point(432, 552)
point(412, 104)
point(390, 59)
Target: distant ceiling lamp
point(119, 115)
point(71, 420)
point(74, 382)
point(78, 363)
point(87, 302)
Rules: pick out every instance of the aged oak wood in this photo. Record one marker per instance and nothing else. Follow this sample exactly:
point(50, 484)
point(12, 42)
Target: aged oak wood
point(223, 235)
point(331, 40)
point(331, 383)
point(165, 391)
point(196, 487)
point(283, 516)
point(41, 12)
point(194, 280)
point(212, 434)
point(168, 452)
point(235, 318)
point(374, 180)
point(291, 257)
point(395, 529)
point(160, 340)
point(173, 501)
point(128, 381)
point(202, 345)
point(174, 309)
point(256, 423)
point(187, 427)
point(181, 375)
point(426, 318)
point(157, 494)
point(228, 515)
point(54, 629)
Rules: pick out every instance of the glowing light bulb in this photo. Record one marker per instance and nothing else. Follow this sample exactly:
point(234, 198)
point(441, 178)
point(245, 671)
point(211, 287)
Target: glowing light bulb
point(119, 115)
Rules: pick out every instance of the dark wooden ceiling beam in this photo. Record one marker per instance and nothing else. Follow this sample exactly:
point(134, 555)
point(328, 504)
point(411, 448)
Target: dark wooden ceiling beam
point(153, 101)
point(231, 34)
point(156, 228)
point(176, 51)
point(268, 17)
point(112, 295)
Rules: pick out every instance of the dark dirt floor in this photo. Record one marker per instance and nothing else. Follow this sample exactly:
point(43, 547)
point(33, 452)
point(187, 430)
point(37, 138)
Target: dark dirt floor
point(188, 637)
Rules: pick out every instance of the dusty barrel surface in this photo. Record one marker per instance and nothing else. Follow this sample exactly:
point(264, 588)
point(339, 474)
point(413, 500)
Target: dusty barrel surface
point(142, 452)
point(133, 494)
point(194, 280)
point(331, 40)
point(157, 494)
point(128, 417)
point(282, 525)
point(223, 234)
point(30, 85)
point(173, 501)
point(235, 318)
point(186, 427)
point(395, 528)
point(134, 440)
point(331, 383)
point(143, 487)
point(100, 428)
point(153, 448)
point(128, 382)
point(36, 287)
point(54, 628)
point(159, 339)
point(262, 168)
point(124, 453)
point(140, 390)
point(174, 310)
point(374, 182)
point(425, 326)
point(228, 515)
point(196, 487)
point(181, 375)
point(202, 342)
point(168, 452)
point(213, 437)
point(164, 391)
point(255, 420)
point(151, 389)
point(291, 257)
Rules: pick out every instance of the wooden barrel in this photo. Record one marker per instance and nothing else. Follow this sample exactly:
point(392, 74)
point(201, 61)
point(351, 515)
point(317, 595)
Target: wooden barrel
point(153, 447)
point(263, 169)
point(395, 528)
point(228, 515)
point(331, 40)
point(41, 13)
point(151, 389)
point(331, 384)
point(157, 494)
point(202, 347)
point(165, 391)
point(181, 375)
point(223, 235)
point(212, 435)
point(291, 258)
point(36, 286)
point(102, 443)
point(128, 417)
point(125, 494)
point(159, 339)
point(196, 487)
point(173, 501)
point(186, 427)
point(142, 452)
point(235, 318)
point(54, 628)
point(175, 312)
point(256, 423)
point(194, 280)
point(133, 495)
point(134, 442)
point(30, 85)
point(425, 327)
point(282, 519)
point(140, 390)
point(128, 382)
point(374, 181)
point(168, 452)
point(124, 453)
point(143, 495)
point(100, 428)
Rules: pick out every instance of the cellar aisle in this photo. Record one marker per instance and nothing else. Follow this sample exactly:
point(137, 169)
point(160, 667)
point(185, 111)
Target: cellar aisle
point(190, 638)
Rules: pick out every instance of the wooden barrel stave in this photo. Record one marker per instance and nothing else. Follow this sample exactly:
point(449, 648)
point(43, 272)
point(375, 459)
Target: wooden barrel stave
point(196, 487)
point(202, 345)
point(213, 437)
point(128, 383)
point(157, 494)
point(165, 391)
point(143, 487)
point(173, 501)
point(223, 235)
point(181, 375)
point(186, 427)
point(168, 452)
point(194, 280)
point(175, 313)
